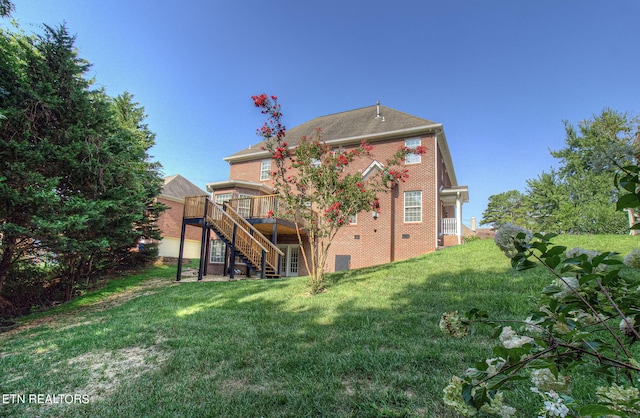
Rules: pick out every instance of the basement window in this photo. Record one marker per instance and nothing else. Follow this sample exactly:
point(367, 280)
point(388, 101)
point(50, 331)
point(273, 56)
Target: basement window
point(217, 251)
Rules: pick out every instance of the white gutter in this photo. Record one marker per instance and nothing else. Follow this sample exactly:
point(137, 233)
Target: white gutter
point(352, 139)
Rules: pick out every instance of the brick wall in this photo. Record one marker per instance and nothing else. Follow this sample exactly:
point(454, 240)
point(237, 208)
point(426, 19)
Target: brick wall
point(387, 238)
point(248, 171)
point(170, 221)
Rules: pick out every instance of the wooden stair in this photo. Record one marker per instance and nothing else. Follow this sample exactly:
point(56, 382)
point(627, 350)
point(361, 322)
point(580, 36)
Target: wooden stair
point(255, 250)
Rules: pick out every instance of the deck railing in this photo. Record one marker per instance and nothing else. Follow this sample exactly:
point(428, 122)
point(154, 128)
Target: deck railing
point(255, 206)
point(261, 207)
point(194, 207)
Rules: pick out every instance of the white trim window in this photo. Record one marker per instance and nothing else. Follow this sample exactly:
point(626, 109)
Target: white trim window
point(353, 219)
point(244, 205)
point(412, 143)
point(223, 197)
point(217, 251)
point(265, 170)
point(413, 206)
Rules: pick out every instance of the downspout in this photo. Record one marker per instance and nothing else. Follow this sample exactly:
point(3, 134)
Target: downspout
point(437, 192)
point(392, 212)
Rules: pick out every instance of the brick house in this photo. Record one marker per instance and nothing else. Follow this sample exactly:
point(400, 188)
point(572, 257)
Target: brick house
point(417, 217)
point(174, 191)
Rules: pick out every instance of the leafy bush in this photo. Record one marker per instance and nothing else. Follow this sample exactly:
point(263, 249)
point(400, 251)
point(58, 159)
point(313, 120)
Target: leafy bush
point(584, 319)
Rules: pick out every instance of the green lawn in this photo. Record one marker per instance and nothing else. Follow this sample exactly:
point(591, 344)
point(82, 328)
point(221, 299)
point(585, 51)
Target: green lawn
point(369, 347)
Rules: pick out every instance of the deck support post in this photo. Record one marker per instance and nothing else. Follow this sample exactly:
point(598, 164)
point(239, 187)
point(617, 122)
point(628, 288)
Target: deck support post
point(279, 265)
point(227, 255)
point(207, 251)
point(181, 250)
point(203, 250)
point(232, 263)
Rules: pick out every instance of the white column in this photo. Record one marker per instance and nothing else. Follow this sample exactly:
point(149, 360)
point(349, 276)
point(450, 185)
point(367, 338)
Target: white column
point(459, 217)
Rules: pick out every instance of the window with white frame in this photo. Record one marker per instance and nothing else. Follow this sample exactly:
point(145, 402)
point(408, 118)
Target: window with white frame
point(265, 170)
point(353, 219)
point(223, 197)
point(413, 206)
point(412, 144)
point(217, 251)
point(244, 205)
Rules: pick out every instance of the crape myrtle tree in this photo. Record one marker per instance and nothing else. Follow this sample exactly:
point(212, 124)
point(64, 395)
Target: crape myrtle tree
point(317, 188)
point(76, 180)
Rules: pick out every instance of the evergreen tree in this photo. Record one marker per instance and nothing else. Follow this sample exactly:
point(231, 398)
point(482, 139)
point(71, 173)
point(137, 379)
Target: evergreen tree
point(507, 207)
point(545, 196)
point(579, 197)
point(6, 7)
point(76, 179)
point(593, 153)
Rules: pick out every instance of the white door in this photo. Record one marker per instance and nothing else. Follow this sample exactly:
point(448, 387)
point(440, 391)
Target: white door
point(290, 259)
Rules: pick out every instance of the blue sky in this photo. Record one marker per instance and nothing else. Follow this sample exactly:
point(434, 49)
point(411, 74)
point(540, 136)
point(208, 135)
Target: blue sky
point(500, 75)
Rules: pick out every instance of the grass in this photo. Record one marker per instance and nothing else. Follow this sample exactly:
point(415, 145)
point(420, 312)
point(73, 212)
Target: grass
point(369, 347)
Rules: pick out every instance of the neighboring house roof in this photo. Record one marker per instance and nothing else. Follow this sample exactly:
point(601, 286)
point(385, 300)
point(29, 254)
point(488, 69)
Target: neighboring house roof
point(371, 123)
point(177, 187)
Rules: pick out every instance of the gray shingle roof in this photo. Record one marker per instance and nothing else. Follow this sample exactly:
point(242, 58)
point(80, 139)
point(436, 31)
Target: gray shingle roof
point(349, 124)
point(179, 187)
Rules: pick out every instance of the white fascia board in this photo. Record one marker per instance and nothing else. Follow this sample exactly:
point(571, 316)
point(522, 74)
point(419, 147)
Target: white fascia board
point(434, 127)
point(230, 184)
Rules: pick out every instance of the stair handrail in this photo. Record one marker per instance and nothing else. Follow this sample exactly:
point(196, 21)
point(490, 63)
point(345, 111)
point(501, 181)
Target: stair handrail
point(272, 259)
point(203, 207)
point(219, 211)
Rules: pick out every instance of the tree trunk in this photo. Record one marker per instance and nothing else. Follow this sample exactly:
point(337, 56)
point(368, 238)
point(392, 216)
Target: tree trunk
point(69, 280)
point(6, 260)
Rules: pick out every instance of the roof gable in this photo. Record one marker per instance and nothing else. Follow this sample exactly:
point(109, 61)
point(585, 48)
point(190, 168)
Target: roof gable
point(179, 187)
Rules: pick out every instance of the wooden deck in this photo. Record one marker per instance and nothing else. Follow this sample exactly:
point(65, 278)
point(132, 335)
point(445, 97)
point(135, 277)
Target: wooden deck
point(235, 230)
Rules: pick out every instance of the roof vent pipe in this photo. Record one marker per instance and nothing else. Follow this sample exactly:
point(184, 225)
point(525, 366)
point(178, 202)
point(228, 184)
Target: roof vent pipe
point(377, 109)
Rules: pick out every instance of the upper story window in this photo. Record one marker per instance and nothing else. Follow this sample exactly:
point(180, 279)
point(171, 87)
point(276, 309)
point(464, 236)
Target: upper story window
point(265, 170)
point(353, 219)
point(413, 206)
point(411, 144)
